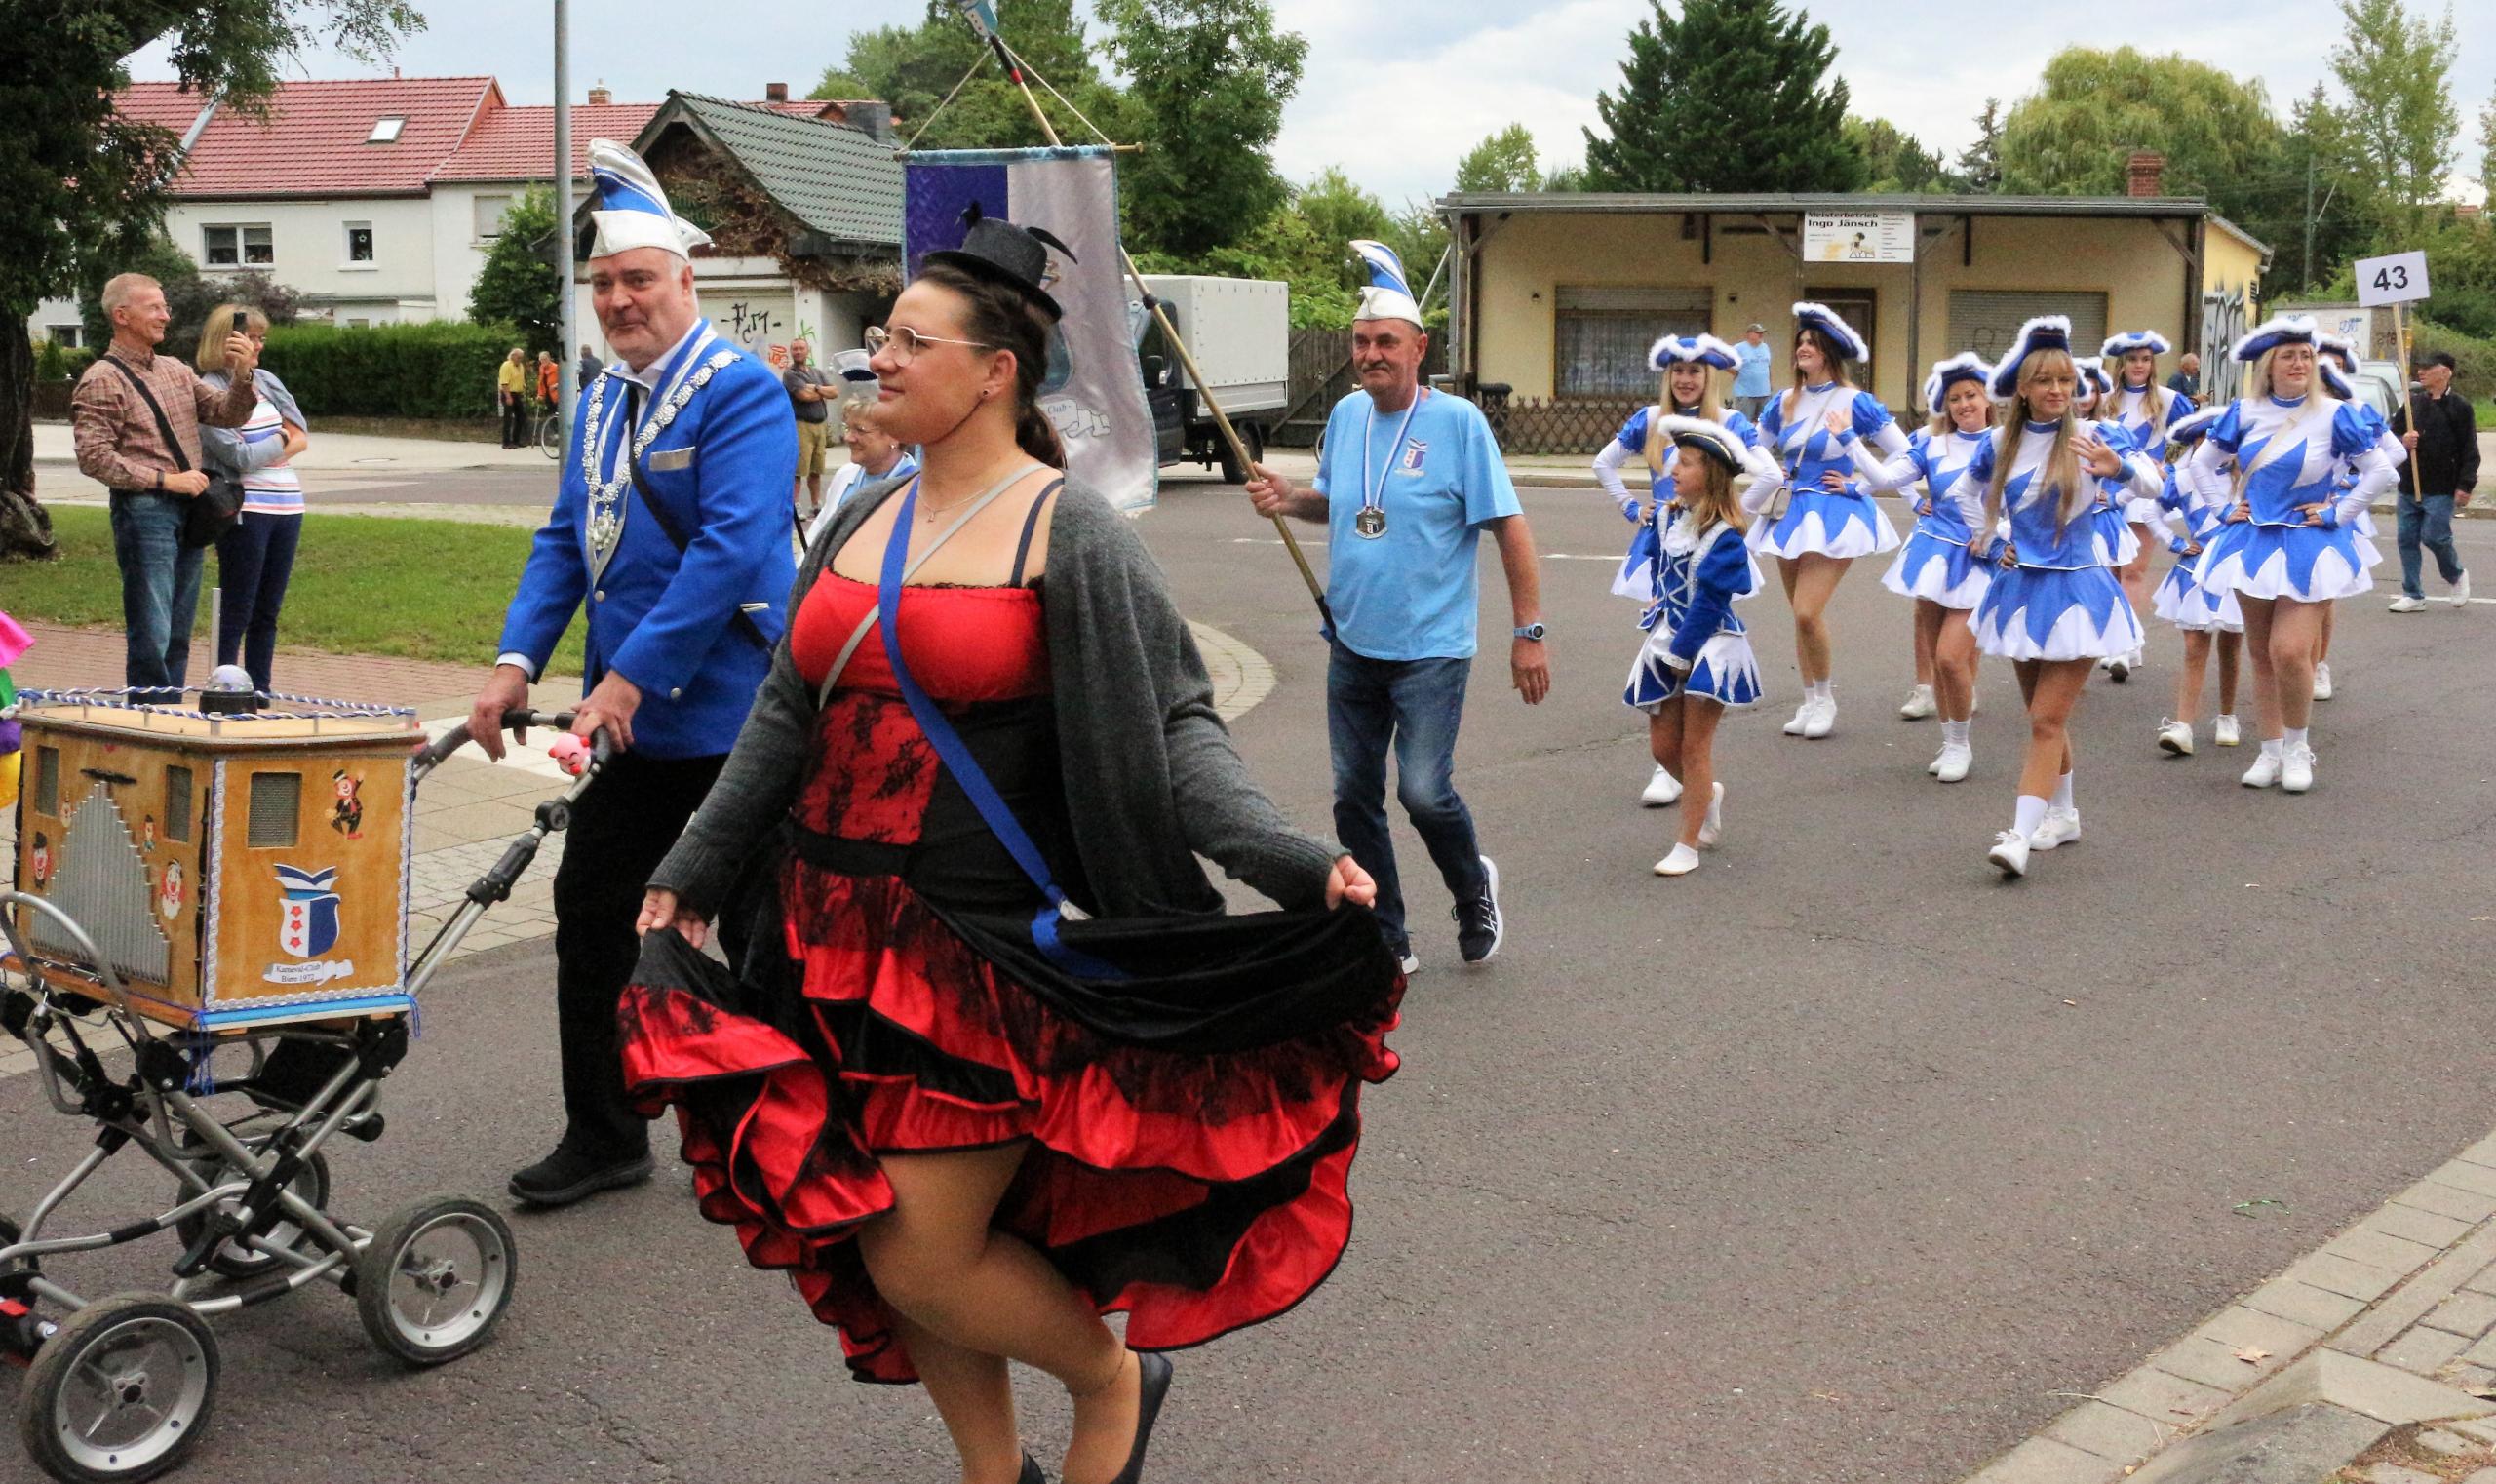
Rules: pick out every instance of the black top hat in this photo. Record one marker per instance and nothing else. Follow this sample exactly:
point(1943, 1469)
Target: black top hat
point(1002, 252)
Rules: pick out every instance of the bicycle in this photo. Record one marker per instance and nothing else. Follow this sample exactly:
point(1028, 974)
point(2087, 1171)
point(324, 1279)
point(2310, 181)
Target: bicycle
point(550, 435)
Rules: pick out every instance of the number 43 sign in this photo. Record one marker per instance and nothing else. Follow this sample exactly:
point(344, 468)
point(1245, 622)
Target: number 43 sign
point(2397, 279)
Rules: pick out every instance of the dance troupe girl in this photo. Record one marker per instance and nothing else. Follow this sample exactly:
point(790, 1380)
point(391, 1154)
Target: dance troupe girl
point(2055, 607)
point(1936, 567)
point(1828, 519)
point(968, 1122)
point(2289, 545)
point(2191, 509)
point(2147, 413)
point(2339, 364)
point(1689, 365)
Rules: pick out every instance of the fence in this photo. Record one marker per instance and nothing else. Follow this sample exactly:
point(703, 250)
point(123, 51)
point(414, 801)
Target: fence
point(1560, 425)
point(1321, 373)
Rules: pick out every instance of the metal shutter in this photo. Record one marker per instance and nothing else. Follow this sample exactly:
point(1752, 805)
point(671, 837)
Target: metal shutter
point(1987, 321)
point(1602, 333)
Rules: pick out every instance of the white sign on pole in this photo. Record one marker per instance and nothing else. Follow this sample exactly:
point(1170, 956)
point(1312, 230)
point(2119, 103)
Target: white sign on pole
point(2399, 278)
point(1859, 237)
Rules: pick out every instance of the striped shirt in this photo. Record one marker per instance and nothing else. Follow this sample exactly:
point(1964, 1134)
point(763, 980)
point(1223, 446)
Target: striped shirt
point(256, 451)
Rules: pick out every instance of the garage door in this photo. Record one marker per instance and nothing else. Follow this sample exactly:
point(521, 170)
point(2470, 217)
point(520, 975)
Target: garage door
point(1987, 321)
point(1602, 335)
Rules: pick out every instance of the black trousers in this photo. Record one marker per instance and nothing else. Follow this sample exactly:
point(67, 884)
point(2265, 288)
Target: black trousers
point(620, 831)
point(516, 423)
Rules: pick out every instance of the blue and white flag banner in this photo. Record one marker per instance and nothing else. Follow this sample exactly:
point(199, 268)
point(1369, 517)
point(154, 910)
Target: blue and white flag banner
point(982, 15)
point(1072, 193)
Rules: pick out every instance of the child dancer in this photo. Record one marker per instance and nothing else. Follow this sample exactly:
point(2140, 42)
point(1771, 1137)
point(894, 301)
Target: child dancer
point(2146, 412)
point(2192, 511)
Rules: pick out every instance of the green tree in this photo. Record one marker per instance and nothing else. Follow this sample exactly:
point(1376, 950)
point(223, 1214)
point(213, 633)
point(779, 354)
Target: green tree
point(2338, 208)
point(81, 187)
point(1337, 211)
point(2397, 68)
point(915, 67)
point(1208, 81)
point(1980, 162)
point(1568, 177)
point(2487, 152)
point(1728, 96)
point(519, 285)
point(1894, 160)
point(1503, 163)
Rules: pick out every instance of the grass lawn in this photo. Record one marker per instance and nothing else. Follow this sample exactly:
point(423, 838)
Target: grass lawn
point(362, 585)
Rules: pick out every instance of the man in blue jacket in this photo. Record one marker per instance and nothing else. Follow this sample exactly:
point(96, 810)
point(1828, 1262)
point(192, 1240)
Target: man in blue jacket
point(672, 527)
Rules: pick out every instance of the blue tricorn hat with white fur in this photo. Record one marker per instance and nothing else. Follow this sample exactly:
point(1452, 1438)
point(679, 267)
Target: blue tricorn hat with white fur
point(2092, 375)
point(2118, 346)
point(2192, 428)
point(1822, 318)
point(1705, 349)
point(2047, 332)
point(2276, 332)
point(1965, 365)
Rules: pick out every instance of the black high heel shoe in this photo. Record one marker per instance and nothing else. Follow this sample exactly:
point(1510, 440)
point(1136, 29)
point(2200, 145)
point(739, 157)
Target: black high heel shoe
point(1152, 1386)
point(1032, 1471)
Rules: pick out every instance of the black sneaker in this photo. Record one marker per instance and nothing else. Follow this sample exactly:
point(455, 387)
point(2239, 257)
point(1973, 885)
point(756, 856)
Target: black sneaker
point(1478, 929)
point(568, 1174)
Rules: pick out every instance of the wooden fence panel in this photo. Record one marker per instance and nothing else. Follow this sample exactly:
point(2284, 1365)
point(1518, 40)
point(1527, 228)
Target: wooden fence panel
point(1321, 373)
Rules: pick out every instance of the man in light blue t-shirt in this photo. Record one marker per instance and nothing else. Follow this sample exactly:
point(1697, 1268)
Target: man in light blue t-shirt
point(1750, 383)
point(1408, 479)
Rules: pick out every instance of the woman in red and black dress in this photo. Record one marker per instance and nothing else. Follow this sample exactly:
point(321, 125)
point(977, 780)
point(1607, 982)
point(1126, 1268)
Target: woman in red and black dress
point(966, 1139)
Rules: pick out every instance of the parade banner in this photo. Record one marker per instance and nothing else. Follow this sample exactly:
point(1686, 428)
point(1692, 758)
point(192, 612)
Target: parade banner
point(1096, 398)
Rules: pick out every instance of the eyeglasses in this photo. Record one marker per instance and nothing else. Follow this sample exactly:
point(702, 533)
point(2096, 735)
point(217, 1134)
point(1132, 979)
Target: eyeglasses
point(905, 342)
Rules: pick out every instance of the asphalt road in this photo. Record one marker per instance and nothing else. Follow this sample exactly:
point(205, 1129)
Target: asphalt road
point(1838, 1160)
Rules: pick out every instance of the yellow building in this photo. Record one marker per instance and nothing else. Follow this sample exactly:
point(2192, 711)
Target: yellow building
point(1558, 296)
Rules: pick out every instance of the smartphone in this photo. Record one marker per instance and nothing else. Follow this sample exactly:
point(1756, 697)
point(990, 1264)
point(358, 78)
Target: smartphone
point(241, 319)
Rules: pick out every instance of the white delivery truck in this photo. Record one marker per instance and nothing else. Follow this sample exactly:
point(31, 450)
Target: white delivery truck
point(1239, 331)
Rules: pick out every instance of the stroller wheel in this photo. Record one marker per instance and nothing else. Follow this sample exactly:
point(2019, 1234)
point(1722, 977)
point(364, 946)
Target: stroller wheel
point(232, 1259)
point(121, 1391)
point(434, 1281)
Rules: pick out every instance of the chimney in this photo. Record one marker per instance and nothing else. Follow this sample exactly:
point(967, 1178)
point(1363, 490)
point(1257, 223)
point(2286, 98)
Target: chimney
point(599, 97)
point(776, 93)
point(875, 118)
point(2145, 174)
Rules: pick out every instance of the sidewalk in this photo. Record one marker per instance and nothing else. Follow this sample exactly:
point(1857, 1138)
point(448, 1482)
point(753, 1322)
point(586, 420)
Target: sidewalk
point(355, 453)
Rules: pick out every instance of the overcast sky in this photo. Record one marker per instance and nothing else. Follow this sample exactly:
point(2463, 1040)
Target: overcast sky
point(1395, 93)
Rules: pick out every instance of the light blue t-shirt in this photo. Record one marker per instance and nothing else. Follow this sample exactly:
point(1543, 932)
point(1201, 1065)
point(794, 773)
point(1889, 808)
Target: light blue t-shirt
point(1752, 380)
point(1411, 593)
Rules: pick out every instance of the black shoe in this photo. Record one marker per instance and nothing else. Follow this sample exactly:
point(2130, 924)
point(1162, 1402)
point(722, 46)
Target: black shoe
point(568, 1174)
point(1032, 1472)
point(1478, 927)
point(1152, 1384)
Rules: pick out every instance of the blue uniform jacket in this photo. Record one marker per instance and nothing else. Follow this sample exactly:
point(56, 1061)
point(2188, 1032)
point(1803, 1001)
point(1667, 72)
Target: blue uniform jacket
point(723, 468)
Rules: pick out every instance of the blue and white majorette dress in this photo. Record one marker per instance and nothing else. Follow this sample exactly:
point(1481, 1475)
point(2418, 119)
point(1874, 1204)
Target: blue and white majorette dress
point(1636, 578)
point(1935, 563)
point(2193, 515)
point(2061, 600)
point(1695, 644)
point(2148, 417)
point(1816, 519)
point(2290, 453)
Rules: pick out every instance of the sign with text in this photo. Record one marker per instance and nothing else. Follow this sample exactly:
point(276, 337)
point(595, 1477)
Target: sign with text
point(1859, 237)
point(2398, 278)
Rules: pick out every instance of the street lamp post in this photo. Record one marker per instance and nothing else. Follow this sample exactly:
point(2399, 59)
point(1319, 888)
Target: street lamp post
point(569, 337)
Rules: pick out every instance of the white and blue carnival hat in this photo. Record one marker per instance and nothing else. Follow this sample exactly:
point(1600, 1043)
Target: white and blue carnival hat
point(2092, 375)
point(2340, 349)
point(2118, 346)
point(1965, 365)
point(2194, 427)
point(2276, 332)
point(1389, 296)
point(2047, 332)
point(632, 211)
point(1705, 349)
point(1712, 439)
point(1822, 318)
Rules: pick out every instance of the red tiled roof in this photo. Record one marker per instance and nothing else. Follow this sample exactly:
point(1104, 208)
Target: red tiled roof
point(163, 104)
point(313, 142)
point(518, 143)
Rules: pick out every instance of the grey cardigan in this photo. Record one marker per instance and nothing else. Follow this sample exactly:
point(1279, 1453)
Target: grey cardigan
point(1151, 778)
point(225, 451)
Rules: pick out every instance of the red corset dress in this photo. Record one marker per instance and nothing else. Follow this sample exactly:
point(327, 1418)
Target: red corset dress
point(1196, 1192)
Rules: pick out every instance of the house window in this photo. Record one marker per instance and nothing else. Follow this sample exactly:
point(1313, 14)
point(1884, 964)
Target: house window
point(277, 801)
point(237, 247)
point(63, 336)
point(359, 242)
point(179, 803)
point(385, 129)
point(359, 323)
point(47, 781)
point(1601, 334)
point(490, 211)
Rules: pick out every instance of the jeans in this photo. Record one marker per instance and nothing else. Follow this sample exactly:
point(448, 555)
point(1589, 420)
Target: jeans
point(1415, 705)
point(2427, 521)
point(254, 560)
point(159, 592)
point(1750, 406)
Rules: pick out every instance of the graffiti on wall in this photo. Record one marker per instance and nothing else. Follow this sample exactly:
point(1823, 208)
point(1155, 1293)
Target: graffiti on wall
point(2223, 312)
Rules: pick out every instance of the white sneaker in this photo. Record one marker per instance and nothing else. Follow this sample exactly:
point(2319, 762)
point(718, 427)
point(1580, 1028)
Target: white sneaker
point(1952, 763)
point(2009, 854)
point(1822, 719)
point(1662, 790)
point(2176, 737)
point(1801, 718)
point(2118, 668)
point(2322, 680)
point(1714, 824)
point(2296, 770)
point(2264, 774)
point(2061, 827)
point(1681, 862)
point(2226, 732)
point(1919, 703)
point(2404, 603)
point(2460, 597)
point(1410, 963)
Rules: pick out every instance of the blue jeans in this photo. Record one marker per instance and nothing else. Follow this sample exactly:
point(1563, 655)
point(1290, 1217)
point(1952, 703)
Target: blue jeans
point(2427, 521)
point(1415, 706)
point(254, 560)
point(159, 592)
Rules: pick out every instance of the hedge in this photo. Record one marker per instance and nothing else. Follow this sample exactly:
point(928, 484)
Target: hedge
point(444, 369)
point(2474, 359)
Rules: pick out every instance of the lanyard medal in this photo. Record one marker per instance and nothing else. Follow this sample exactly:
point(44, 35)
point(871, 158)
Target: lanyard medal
point(1371, 522)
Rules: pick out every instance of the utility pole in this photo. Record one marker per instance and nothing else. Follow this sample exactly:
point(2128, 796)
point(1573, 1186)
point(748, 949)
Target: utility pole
point(567, 344)
point(2305, 281)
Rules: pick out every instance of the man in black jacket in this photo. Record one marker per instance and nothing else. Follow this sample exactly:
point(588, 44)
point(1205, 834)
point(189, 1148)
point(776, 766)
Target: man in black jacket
point(2442, 434)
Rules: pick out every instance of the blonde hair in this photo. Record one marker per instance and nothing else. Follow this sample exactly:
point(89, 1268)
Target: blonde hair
point(220, 324)
point(1713, 502)
point(2259, 383)
point(1711, 406)
point(2061, 468)
point(1942, 422)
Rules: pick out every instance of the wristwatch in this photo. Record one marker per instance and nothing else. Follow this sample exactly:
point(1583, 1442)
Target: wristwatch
point(1532, 630)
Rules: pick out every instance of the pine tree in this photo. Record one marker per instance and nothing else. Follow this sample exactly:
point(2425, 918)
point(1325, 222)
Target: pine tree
point(1731, 95)
point(1980, 162)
